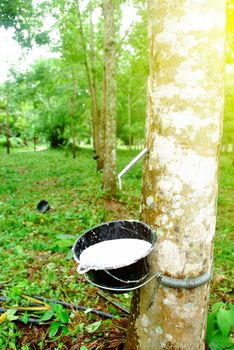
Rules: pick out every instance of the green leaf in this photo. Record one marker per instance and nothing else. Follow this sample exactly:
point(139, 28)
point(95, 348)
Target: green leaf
point(214, 346)
point(47, 315)
point(83, 347)
point(63, 316)
point(11, 314)
point(113, 310)
point(56, 307)
point(61, 313)
point(25, 317)
point(216, 306)
point(93, 327)
point(54, 327)
point(231, 307)
point(210, 327)
point(12, 345)
point(224, 321)
point(219, 342)
point(65, 331)
point(79, 329)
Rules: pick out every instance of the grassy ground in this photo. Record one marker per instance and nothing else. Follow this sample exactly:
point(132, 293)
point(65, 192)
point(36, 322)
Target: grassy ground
point(222, 286)
point(35, 248)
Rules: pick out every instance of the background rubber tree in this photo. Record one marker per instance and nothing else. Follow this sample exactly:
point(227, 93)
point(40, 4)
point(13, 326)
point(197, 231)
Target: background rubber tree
point(185, 109)
point(109, 101)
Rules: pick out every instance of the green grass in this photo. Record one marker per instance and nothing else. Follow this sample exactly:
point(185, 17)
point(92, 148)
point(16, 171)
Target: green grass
point(222, 286)
point(30, 240)
point(35, 248)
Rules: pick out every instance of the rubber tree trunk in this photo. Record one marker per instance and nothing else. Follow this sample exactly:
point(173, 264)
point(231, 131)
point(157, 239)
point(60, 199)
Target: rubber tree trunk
point(102, 119)
point(90, 68)
point(8, 131)
point(109, 173)
point(72, 115)
point(98, 125)
point(129, 117)
point(184, 122)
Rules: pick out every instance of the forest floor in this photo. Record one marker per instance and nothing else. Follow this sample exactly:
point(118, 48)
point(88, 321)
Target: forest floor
point(36, 257)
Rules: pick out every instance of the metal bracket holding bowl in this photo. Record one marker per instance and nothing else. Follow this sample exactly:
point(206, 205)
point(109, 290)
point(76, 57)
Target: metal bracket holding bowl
point(168, 282)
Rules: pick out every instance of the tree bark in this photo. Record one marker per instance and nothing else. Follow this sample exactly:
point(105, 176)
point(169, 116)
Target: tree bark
point(91, 73)
point(129, 117)
point(102, 125)
point(109, 177)
point(98, 118)
point(184, 122)
point(8, 130)
point(34, 142)
point(72, 115)
point(8, 142)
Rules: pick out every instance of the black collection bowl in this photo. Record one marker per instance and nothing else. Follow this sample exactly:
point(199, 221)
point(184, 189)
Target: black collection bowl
point(124, 278)
point(43, 206)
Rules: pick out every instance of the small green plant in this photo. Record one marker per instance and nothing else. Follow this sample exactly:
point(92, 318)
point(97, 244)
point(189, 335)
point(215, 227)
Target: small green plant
point(61, 318)
point(83, 347)
point(219, 324)
point(8, 335)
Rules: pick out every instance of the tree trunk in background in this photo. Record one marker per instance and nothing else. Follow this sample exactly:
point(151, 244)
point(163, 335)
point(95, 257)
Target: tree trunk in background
point(89, 64)
point(8, 132)
point(109, 177)
point(129, 117)
point(185, 107)
point(98, 120)
point(102, 126)
point(72, 115)
point(34, 142)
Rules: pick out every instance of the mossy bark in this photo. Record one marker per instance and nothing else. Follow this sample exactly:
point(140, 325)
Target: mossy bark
point(184, 123)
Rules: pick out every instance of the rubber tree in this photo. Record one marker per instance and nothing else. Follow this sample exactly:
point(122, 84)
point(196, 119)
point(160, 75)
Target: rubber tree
point(109, 93)
point(184, 122)
point(90, 68)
